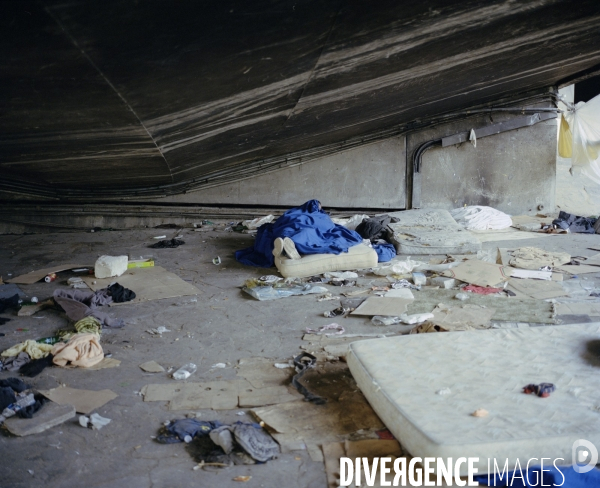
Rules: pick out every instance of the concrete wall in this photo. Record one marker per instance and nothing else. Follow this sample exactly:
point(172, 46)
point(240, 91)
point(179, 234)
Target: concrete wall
point(513, 171)
point(370, 176)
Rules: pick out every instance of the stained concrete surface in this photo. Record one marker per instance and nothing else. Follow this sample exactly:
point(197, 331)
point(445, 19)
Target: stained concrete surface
point(221, 325)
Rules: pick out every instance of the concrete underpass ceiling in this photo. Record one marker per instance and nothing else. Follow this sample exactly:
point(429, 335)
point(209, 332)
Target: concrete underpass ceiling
point(110, 97)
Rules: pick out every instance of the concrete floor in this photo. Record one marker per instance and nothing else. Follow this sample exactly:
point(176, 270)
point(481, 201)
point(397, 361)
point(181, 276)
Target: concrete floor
point(223, 325)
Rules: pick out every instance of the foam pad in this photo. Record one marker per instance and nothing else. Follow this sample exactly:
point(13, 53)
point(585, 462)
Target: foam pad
point(485, 369)
point(357, 257)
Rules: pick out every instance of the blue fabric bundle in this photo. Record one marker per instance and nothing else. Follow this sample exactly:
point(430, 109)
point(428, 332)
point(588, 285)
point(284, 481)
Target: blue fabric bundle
point(385, 252)
point(311, 229)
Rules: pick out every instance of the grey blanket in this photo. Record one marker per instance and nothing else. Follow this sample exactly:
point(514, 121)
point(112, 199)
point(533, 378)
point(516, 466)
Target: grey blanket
point(78, 304)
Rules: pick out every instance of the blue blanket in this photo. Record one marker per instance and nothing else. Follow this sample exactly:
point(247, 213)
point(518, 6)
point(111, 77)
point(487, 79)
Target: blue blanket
point(311, 229)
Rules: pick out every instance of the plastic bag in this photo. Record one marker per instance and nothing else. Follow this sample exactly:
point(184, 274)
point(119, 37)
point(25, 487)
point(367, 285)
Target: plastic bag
point(282, 291)
point(478, 217)
point(397, 267)
point(584, 122)
point(565, 139)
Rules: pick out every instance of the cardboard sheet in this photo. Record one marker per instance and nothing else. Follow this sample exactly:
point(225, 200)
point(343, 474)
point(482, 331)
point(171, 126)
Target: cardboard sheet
point(580, 308)
point(578, 269)
point(104, 364)
point(152, 367)
point(84, 401)
point(382, 306)
point(531, 274)
point(540, 290)
point(479, 273)
point(153, 283)
point(261, 372)
point(217, 395)
point(271, 395)
point(40, 274)
point(462, 317)
point(592, 260)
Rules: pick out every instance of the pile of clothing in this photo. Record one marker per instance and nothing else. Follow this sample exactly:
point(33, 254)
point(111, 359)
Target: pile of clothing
point(16, 398)
point(80, 347)
point(213, 442)
point(577, 224)
point(79, 304)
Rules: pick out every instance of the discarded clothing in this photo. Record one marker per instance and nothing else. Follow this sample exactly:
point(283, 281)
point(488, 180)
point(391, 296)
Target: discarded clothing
point(385, 252)
point(79, 304)
point(563, 476)
point(34, 349)
point(7, 397)
point(29, 411)
point(82, 350)
point(375, 228)
point(12, 302)
point(311, 229)
point(88, 325)
point(303, 362)
point(575, 223)
point(542, 390)
point(178, 430)
point(13, 363)
point(227, 444)
point(33, 368)
point(167, 243)
point(478, 217)
point(482, 290)
point(535, 258)
point(120, 294)
point(15, 383)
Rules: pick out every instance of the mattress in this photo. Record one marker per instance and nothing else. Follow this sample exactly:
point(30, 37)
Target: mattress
point(486, 369)
point(357, 257)
point(430, 231)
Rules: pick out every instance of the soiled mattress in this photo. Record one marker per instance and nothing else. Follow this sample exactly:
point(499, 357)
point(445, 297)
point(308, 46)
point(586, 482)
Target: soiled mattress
point(486, 369)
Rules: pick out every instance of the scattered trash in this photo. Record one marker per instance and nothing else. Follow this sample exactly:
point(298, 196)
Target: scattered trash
point(327, 297)
point(219, 365)
point(303, 363)
point(480, 412)
point(94, 421)
point(242, 478)
point(397, 267)
point(462, 296)
point(336, 312)
point(158, 330)
point(419, 279)
point(159, 237)
point(109, 266)
point(382, 306)
point(50, 278)
point(152, 367)
point(34, 299)
point(339, 330)
point(270, 279)
point(217, 260)
point(167, 244)
point(261, 291)
point(443, 282)
point(341, 275)
point(482, 290)
point(444, 391)
point(341, 282)
point(542, 390)
point(257, 222)
point(185, 371)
